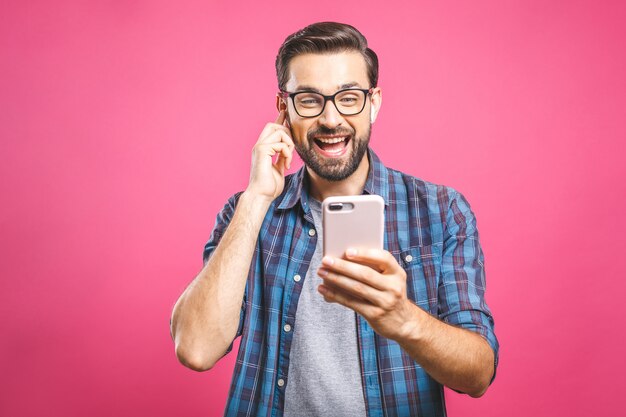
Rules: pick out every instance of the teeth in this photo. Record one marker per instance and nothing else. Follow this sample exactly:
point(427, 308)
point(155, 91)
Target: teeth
point(331, 140)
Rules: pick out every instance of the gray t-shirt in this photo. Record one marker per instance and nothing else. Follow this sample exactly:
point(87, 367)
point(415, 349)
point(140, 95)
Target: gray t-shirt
point(324, 377)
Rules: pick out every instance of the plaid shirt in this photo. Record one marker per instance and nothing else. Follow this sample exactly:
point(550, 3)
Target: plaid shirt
point(432, 233)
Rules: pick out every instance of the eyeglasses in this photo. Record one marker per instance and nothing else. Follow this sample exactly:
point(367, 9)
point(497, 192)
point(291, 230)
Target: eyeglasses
point(348, 102)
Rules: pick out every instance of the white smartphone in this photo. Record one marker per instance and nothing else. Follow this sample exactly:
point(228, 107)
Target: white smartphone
point(352, 221)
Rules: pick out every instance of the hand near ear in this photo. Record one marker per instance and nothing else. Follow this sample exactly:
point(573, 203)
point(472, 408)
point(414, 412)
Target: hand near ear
point(267, 178)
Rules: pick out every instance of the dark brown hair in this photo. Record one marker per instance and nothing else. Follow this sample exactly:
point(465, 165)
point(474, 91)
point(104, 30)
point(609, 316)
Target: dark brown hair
point(320, 38)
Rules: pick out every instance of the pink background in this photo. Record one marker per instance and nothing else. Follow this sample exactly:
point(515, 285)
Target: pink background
point(124, 127)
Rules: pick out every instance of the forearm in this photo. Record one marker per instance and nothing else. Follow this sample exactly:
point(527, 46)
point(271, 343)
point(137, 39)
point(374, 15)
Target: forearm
point(455, 357)
point(206, 316)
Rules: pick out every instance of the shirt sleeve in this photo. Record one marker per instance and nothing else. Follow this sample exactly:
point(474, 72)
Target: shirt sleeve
point(221, 224)
point(462, 284)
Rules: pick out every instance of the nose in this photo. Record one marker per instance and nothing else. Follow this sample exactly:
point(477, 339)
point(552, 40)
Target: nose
point(330, 116)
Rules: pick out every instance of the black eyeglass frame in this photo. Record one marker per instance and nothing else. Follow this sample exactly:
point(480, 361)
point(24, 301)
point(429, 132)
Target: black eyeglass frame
point(367, 92)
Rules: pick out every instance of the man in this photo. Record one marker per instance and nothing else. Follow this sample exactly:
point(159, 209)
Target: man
point(376, 332)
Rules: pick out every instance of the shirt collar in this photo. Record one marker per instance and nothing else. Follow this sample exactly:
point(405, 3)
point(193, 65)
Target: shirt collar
point(297, 185)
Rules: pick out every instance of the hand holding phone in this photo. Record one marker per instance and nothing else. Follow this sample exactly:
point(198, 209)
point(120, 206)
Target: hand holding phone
point(369, 279)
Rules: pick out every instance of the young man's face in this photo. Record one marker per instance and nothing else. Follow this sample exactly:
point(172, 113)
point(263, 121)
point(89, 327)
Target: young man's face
point(331, 144)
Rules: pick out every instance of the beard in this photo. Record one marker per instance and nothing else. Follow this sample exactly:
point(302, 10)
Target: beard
point(333, 169)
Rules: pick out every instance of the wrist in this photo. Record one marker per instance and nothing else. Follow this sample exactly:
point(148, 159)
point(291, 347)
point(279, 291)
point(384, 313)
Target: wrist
point(256, 199)
point(412, 330)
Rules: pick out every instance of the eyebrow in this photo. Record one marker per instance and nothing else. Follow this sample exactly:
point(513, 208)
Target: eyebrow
point(316, 90)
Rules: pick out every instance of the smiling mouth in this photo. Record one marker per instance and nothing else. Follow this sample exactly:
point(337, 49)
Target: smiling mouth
point(332, 145)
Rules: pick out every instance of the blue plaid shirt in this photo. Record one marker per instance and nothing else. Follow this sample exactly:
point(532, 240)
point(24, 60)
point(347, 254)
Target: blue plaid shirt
point(432, 233)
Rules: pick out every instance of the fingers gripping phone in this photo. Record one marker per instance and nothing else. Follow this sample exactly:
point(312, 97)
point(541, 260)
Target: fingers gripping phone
point(352, 221)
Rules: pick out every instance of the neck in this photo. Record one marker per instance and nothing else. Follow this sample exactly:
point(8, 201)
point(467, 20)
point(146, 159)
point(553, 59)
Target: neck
point(353, 185)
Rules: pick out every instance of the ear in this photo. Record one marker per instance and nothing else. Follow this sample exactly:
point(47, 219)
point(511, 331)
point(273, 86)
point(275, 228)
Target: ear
point(281, 104)
point(376, 102)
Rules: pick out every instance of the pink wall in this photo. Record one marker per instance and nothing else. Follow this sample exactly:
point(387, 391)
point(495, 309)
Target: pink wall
point(124, 126)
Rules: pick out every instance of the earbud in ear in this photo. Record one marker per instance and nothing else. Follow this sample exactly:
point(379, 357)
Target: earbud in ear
point(372, 117)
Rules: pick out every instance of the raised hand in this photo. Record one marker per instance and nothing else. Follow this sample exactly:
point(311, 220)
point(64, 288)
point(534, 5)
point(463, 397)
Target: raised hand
point(267, 177)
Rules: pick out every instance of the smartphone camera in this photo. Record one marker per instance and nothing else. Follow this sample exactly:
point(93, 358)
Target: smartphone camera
point(340, 206)
point(335, 206)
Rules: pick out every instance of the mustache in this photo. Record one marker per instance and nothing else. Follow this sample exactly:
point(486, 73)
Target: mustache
point(325, 131)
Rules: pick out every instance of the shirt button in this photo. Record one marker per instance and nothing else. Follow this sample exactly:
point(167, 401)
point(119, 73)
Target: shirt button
point(311, 232)
point(297, 278)
point(287, 328)
point(281, 382)
point(408, 258)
